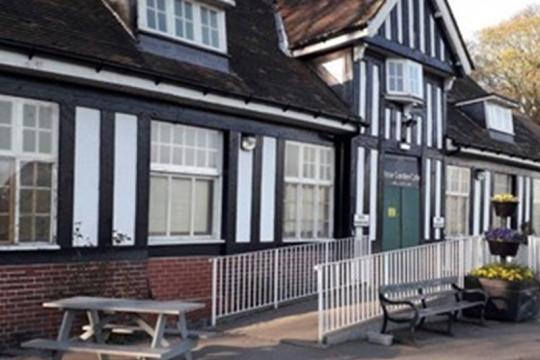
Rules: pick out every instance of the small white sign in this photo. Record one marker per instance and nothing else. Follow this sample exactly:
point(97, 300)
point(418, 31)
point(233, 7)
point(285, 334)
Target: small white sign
point(439, 222)
point(361, 220)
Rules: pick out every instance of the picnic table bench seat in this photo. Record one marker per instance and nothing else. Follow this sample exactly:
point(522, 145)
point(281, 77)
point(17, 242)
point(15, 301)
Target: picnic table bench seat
point(101, 312)
point(417, 301)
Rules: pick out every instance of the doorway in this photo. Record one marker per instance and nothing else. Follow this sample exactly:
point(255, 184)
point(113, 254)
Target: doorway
point(401, 224)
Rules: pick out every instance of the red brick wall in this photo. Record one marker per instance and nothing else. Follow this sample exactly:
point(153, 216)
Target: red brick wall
point(23, 289)
point(187, 278)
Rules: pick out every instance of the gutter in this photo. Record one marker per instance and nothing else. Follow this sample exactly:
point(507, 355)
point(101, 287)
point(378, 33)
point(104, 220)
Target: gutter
point(498, 156)
point(38, 59)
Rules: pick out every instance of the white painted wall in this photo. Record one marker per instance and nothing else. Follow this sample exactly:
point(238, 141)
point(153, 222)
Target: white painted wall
point(125, 177)
point(373, 191)
point(268, 190)
point(86, 175)
point(244, 196)
point(427, 201)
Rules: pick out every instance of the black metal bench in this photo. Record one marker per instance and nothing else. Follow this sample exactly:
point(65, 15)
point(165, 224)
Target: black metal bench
point(413, 303)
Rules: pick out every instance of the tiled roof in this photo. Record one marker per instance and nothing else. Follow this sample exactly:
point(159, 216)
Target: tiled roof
point(466, 131)
point(308, 21)
point(87, 30)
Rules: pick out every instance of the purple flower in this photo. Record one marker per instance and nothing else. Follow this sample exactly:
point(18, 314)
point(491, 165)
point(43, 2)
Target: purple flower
point(503, 235)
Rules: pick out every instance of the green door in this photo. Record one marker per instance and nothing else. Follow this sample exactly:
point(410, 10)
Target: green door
point(401, 220)
point(392, 218)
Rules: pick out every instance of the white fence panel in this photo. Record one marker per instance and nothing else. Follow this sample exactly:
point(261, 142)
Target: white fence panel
point(251, 281)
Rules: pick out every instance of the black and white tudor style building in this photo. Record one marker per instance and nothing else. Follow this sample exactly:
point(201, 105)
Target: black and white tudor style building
point(145, 129)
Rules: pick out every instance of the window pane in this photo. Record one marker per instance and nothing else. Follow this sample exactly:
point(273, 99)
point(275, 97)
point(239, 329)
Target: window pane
point(291, 161)
point(203, 207)
point(5, 112)
point(324, 213)
point(5, 229)
point(290, 211)
point(7, 208)
point(45, 142)
point(26, 228)
point(27, 174)
point(29, 141)
point(180, 206)
point(5, 138)
point(42, 228)
point(43, 201)
point(45, 117)
point(158, 205)
point(308, 210)
point(29, 116)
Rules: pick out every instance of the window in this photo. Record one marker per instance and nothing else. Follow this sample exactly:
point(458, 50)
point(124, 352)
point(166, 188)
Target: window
point(499, 118)
point(458, 188)
point(185, 183)
point(404, 78)
point(28, 157)
point(309, 187)
point(536, 206)
point(190, 21)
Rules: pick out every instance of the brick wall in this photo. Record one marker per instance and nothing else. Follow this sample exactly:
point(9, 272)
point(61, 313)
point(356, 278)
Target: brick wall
point(23, 289)
point(182, 278)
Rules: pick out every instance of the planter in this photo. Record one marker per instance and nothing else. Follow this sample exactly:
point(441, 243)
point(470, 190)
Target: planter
point(505, 209)
point(508, 301)
point(504, 248)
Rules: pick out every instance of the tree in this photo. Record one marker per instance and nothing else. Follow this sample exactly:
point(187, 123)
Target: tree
point(507, 58)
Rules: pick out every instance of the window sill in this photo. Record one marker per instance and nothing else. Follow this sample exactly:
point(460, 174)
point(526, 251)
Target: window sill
point(29, 247)
point(180, 242)
point(404, 98)
point(306, 241)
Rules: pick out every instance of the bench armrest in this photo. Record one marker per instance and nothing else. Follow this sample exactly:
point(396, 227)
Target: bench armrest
point(470, 292)
point(385, 302)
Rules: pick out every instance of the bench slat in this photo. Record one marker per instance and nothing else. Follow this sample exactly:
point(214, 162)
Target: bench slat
point(104, 349)
point(392, 288)
point(442, 309)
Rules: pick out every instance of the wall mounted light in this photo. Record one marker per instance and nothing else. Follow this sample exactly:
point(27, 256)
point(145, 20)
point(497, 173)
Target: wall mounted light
point(479, 175)
point(248, 143)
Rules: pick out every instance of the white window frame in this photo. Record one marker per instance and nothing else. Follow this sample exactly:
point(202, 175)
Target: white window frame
point(466, 172)
point(299, 181)
point(21, 156)
point(410, 68)
point(197, 24)
point(499, 118)
point(192, 173)
point(535, 220)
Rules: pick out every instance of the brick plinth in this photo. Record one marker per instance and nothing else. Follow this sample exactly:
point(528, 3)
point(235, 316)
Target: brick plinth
point(23, 289)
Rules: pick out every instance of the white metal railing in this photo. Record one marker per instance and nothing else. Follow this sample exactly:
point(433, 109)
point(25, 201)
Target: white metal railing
point(348, 290)
point(250, 281)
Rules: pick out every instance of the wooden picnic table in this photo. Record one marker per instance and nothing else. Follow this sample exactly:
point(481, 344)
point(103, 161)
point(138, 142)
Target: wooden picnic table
point(103, 315)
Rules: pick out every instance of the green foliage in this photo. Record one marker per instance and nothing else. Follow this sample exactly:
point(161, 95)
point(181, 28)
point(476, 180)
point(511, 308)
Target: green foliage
point(507, 272)
point(507, 58)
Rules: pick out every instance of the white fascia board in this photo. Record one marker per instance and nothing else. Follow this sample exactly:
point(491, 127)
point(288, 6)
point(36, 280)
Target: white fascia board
point(376, 23)
point(330, 44)
point(59, 69)
point(499, 157)
point(493, 98)
point(455, 36)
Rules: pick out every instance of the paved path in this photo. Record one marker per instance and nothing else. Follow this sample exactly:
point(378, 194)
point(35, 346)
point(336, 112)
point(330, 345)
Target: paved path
point(267, 336)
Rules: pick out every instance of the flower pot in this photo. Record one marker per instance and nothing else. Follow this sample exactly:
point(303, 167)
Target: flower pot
point(503, 248)
point(508, 301)
point(505, 209)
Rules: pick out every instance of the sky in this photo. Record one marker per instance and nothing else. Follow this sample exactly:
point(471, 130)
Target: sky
point(474, 15)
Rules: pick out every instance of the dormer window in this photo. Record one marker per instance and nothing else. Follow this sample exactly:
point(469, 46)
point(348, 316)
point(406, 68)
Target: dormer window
point(192, 22)
point(404, 80)
point(499, 118)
